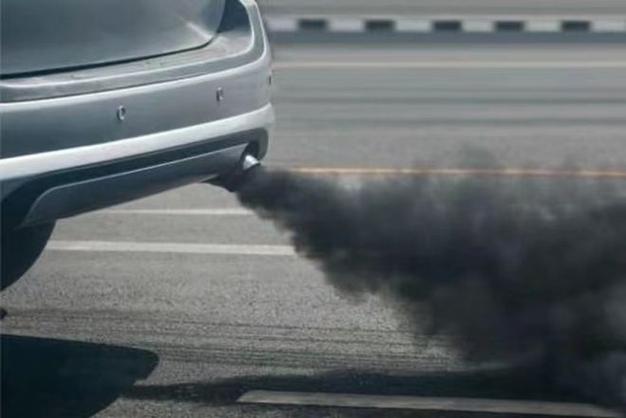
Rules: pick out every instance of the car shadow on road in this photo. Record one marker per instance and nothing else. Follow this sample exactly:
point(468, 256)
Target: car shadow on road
point(56, 378)
point(523, 383)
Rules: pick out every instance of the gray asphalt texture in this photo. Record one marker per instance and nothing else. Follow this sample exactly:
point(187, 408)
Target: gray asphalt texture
point(445, 7)
point(143, 335)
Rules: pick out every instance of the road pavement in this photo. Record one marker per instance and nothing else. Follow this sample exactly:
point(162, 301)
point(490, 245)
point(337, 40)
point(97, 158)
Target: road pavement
point(183, 332)
point(445, 7)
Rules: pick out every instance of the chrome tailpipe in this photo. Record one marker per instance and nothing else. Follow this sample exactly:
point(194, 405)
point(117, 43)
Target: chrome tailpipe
point(235, 179)
point(249, 162)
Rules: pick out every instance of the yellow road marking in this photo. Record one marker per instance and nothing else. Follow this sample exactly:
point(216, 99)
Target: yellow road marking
point(495, 172)
point(457, 64)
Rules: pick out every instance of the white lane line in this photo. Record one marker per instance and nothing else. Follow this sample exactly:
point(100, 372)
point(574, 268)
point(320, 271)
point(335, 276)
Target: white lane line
point(170, 248)
point(432, 23)
point(346, 24)
point(609, 26)
point(282, 24)
point(477, 25)
point(413, 25)
point(544, 26)
point(416, 65)
point(179, 212)
point(427, 403)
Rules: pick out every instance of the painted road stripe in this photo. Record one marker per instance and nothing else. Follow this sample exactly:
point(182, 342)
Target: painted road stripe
point(427, 403)
point(505, 172)
point(545, 26)
point(476, 25)
point(282, 24)
point(446, 23)
point(609, 26)
point(456, 64)
point(413, 25)
point(347, 24)
point(179, 212)
point(170, 248)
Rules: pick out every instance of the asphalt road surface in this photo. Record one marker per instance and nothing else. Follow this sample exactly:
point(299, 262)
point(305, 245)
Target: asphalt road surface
point(175, 306)
point(446, 7)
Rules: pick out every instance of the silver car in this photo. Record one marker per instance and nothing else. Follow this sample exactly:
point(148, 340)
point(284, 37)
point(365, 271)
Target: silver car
point(105, 101)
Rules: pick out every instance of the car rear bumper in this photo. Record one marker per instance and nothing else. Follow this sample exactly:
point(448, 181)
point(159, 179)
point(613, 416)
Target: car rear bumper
point(125, 131)
point(18, 170)
point(40, 188)
point(228, 77)
point(91, 188)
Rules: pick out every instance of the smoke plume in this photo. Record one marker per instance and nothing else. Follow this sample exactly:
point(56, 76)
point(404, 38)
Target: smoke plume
point(510, 267)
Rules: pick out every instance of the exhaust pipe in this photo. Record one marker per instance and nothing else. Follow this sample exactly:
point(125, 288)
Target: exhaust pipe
point(234, 180)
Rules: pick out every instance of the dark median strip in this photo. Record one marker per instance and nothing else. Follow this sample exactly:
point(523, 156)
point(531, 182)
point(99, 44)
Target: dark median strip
point(575, 26)
point(380, 25)
point(313, 24)
point(447, 26)
point(509, 26)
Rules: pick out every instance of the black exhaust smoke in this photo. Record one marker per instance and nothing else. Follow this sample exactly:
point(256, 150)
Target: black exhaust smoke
point(510, 267)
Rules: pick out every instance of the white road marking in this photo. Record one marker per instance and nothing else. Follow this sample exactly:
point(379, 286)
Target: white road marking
point(282, 24)
point(427, 23)
point(170, 248)
point(347, 24)
point(477, 25)
point(427, 403)
point(546, 25)
point(609, 25)
point(416, 65)
point(179, 212)
point(413, 25)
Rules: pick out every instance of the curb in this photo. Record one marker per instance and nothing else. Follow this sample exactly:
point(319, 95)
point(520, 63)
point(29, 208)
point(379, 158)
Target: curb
point(446, 24)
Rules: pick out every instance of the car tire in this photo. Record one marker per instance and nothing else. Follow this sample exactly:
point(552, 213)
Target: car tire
point(20, 248)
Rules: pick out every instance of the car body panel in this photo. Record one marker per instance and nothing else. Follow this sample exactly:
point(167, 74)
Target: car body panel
point(240, 40)
point(186, 117)
point(45, 35)
point(19, 170)
point(59, 123)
